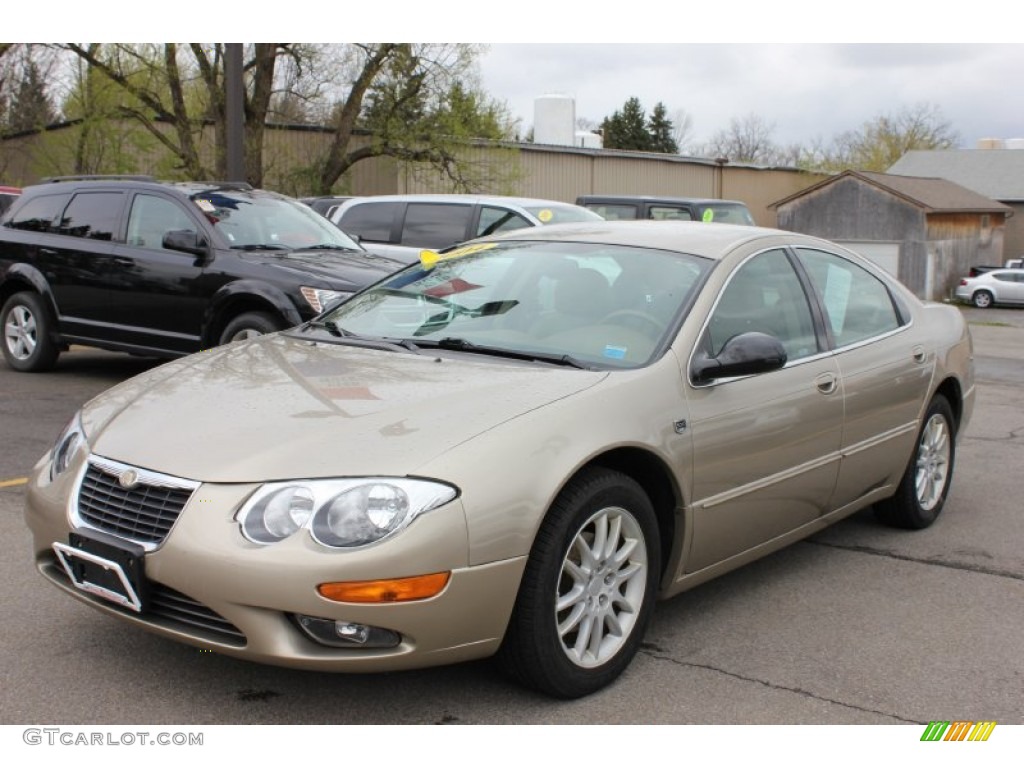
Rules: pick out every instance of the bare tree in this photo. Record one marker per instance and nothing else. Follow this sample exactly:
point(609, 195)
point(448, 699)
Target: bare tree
point(880, 142)
point(747, 140)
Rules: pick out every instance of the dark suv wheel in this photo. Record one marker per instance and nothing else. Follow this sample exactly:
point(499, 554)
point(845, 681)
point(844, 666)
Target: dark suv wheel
point(27, 341)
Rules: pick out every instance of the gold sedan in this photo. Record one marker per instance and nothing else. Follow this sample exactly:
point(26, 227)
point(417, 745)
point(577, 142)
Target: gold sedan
point(512, 448)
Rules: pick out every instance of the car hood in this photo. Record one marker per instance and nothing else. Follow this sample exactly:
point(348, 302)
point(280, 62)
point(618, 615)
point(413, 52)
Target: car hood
point(344, 270)
point(280, 407)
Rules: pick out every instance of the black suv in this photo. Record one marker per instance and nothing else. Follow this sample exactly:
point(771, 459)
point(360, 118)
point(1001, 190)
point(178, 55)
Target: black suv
point(164, 269)
point(615, 207)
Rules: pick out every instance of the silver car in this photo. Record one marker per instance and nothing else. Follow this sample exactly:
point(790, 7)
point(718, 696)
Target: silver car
point(998, 286)
point(512, 448)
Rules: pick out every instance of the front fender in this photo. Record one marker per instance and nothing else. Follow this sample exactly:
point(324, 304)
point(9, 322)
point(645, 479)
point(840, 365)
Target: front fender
point(246, 295)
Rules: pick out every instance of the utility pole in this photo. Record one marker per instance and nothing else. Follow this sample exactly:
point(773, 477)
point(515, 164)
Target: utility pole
point(234, 92)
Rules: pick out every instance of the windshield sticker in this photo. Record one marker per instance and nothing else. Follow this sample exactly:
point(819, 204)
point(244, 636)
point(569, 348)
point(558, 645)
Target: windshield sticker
point(545, 216)
point(429, 258)
point(709, 216)
point(451, 287)
point(615, 353)
point(206, 206)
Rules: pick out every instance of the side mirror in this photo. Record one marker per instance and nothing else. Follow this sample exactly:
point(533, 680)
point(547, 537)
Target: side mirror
point(185, 240)
point(745, 354)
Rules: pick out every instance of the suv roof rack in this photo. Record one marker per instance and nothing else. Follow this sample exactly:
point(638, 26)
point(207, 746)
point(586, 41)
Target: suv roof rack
point(99, 177)
point(219, 184)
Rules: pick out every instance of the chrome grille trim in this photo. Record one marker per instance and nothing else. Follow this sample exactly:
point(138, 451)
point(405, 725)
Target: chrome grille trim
point(143, 513)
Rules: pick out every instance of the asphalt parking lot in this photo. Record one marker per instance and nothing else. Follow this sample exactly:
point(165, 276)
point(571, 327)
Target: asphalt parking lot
point(859, 625)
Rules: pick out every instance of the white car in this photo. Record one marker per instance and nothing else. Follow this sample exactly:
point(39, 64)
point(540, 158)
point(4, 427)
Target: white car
point(1000, 286)
point(400, 226)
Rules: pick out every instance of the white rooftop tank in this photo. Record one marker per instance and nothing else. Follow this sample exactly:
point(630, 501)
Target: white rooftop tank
point(1015, 143)
point(554, 119)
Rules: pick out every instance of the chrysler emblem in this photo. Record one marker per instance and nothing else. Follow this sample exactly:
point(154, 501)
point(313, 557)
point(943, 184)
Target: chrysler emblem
point(128, 478)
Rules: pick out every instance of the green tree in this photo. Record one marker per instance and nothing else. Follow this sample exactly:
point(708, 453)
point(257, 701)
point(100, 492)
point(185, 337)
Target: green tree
point(627, 128)
point(883, 140)
point(661, 131)
point(27, 103)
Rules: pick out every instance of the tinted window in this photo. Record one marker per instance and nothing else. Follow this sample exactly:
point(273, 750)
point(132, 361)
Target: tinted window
point(433, 225)
point(614, 212)
point(669, 212)
point(493, 220)
point(765, 295)
point(91, 214)
point(38, 214)
point(152, 218)
point(857, 304)
point(370, 221)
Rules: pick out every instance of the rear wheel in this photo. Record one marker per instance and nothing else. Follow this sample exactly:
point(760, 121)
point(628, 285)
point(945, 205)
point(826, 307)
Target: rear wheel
point(249, 325)
point(982, 299)
point(588, 590)
point(27, 327)
point(922, 491)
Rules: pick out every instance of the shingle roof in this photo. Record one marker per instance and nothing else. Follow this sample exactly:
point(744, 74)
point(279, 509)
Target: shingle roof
point(932, 194)
point(995, 173)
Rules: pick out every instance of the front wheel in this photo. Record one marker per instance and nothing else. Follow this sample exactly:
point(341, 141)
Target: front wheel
point(588, 589)
point(922, 491)
point(249, 325)
point(27, 342)
point(982, 299)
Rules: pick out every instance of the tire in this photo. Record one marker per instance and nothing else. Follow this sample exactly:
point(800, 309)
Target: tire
point(982, 299)
point(579, 618)
point(249, 325)
point(28, 333)
point(922, 491)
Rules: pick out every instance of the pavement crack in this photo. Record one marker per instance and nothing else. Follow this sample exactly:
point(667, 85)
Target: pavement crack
point(939, 561)
point(655, 652)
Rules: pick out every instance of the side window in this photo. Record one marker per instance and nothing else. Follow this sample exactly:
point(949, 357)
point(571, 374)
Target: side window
point(38, 215)
point(93, 215)
point(613, 212)
point(669, 212)
point(857, 304)
point(370, 221)
point(494, 220)
point(765, 295)
point(153, 217)
point(435, 225)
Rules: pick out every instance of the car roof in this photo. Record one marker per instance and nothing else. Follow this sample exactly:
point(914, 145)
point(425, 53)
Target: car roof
point(148, 182)
point(464, 198)
point(712, 241)
point(654, 199)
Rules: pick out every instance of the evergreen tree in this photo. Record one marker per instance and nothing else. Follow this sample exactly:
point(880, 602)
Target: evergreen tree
point(661, 131)
point(30, 107)
point(627, 129)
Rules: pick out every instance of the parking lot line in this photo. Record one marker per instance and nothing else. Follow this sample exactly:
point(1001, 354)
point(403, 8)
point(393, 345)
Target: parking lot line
point(12, 483)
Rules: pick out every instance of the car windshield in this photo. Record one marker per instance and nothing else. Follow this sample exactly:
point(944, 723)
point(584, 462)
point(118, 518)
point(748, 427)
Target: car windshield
point(269, 222)
point(551, 213)
point(581, 304)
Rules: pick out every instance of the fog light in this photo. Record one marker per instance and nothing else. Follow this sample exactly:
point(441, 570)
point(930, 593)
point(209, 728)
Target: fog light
point(346, 634)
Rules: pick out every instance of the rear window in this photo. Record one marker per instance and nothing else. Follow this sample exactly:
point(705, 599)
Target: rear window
point(433, 225)
point(370, 221)
point(38, 214)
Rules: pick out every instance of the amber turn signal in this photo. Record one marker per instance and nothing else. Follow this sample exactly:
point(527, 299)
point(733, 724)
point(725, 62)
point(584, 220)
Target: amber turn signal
point(385, 590)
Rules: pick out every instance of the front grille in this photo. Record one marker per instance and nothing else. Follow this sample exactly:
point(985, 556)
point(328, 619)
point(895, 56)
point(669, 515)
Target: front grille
point(142, 512)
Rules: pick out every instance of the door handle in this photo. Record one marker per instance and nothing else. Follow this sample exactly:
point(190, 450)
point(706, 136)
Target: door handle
point(919, 353)
point(826, 383)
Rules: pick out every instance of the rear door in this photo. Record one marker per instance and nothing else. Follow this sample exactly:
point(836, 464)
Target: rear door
point(886, 366)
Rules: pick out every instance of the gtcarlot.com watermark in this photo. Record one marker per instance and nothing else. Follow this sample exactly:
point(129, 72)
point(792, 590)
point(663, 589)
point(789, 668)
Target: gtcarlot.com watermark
point(67, 737)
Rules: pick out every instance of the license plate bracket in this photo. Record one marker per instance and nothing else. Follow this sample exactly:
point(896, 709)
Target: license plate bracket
point(110, 568)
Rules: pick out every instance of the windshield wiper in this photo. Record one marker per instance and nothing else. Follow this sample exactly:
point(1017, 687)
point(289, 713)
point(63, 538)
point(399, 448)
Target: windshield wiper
point(325, 247)
point(375, 342)
point(260, 247)
point(462, 345)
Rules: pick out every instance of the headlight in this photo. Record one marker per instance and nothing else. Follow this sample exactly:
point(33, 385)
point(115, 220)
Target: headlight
point(70, 439)
point(339, 513)
point(321, 298)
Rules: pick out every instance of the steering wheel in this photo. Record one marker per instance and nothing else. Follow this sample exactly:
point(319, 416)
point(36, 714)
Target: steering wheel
point(637, 320)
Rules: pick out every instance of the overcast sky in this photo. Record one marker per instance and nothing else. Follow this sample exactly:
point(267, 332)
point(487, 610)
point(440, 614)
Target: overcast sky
point(803, 90)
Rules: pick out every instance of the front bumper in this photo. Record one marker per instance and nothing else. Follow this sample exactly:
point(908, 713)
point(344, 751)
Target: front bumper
point(213, 589)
